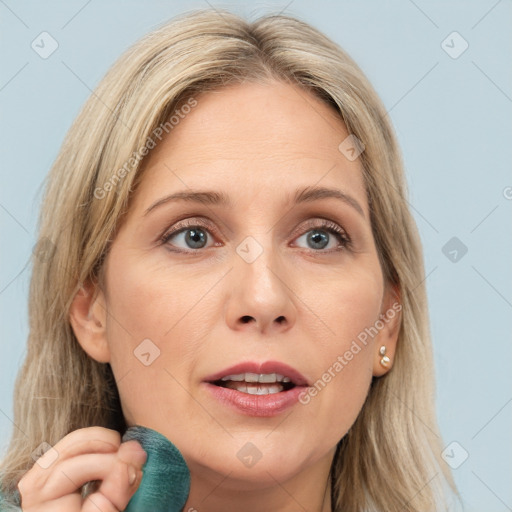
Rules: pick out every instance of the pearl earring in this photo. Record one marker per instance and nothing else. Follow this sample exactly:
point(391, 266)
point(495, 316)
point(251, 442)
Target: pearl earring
point(385, 359)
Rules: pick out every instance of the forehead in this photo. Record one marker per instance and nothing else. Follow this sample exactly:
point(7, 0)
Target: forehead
point(250, 140)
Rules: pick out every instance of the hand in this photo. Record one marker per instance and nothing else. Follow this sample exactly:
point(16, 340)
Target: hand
point(84, 455)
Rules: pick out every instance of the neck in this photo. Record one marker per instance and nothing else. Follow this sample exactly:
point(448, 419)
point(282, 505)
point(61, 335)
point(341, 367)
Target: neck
point(309, 490)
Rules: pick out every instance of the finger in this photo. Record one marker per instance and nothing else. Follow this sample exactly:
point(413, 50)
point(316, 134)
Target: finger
point(81, 441)
point(97, 502)
point(88, 440)
point(85, 440)
point(132, 453)
point(70, 475)
point(65, 504)
point(122, 482)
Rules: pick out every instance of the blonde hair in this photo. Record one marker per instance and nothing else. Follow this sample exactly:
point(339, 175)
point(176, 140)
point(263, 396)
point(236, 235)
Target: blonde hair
point(391, 457)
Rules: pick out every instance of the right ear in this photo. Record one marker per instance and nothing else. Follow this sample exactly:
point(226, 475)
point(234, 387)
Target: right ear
point(88, 315)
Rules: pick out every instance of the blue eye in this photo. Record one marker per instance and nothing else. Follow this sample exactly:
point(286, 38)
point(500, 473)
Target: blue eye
point(320, 237)
point(194, 237)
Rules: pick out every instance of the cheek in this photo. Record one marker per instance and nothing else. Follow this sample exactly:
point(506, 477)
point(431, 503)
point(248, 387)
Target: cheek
point(158, 321)
point(347, 304)
point(150, 302)
point(344, 357)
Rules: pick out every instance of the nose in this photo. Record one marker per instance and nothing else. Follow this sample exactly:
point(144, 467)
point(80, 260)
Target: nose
point(260, 292)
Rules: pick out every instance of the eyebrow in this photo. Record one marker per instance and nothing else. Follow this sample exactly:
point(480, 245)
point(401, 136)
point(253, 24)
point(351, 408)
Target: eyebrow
point(211, 197)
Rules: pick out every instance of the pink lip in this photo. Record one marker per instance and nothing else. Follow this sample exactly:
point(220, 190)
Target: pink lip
point(257, 405)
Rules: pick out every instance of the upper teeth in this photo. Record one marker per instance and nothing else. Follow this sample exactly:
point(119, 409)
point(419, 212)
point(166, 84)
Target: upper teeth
point(255, 377)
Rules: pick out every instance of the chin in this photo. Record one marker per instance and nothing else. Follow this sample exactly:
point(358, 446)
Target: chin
point(253, 464)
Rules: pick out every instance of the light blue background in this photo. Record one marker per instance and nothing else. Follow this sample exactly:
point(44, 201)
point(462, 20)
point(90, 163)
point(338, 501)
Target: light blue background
point(454, 123)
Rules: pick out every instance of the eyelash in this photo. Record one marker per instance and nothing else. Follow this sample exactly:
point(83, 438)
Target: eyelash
point(323, 225)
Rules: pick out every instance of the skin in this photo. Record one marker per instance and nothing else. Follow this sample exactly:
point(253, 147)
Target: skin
point(257, 143)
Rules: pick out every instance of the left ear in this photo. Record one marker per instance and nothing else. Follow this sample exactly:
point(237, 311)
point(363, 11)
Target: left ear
point(88, 319)
point(388, 326)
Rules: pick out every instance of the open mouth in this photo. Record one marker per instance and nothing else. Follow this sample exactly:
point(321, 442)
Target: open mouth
point(257, 389)
point(256, 384)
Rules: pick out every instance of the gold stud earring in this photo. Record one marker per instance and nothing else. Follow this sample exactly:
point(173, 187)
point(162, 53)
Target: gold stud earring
point(385, 359)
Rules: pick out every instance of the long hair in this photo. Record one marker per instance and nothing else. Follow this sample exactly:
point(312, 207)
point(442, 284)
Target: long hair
point(391, 457)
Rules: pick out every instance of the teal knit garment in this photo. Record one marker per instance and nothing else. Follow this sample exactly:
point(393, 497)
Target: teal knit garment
point(166, 478)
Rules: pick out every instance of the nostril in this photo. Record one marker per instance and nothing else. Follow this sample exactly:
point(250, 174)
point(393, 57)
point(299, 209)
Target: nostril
point(246, 319)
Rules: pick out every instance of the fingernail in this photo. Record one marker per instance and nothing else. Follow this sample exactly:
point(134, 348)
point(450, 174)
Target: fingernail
point(132, 475)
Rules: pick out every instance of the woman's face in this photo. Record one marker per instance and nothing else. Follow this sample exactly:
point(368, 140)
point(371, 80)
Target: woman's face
point(247, 271)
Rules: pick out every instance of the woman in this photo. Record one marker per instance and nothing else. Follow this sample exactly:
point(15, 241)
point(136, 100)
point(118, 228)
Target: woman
point(226, 257)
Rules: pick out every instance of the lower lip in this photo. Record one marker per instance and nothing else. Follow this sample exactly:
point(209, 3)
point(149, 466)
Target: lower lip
point(256, 405)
